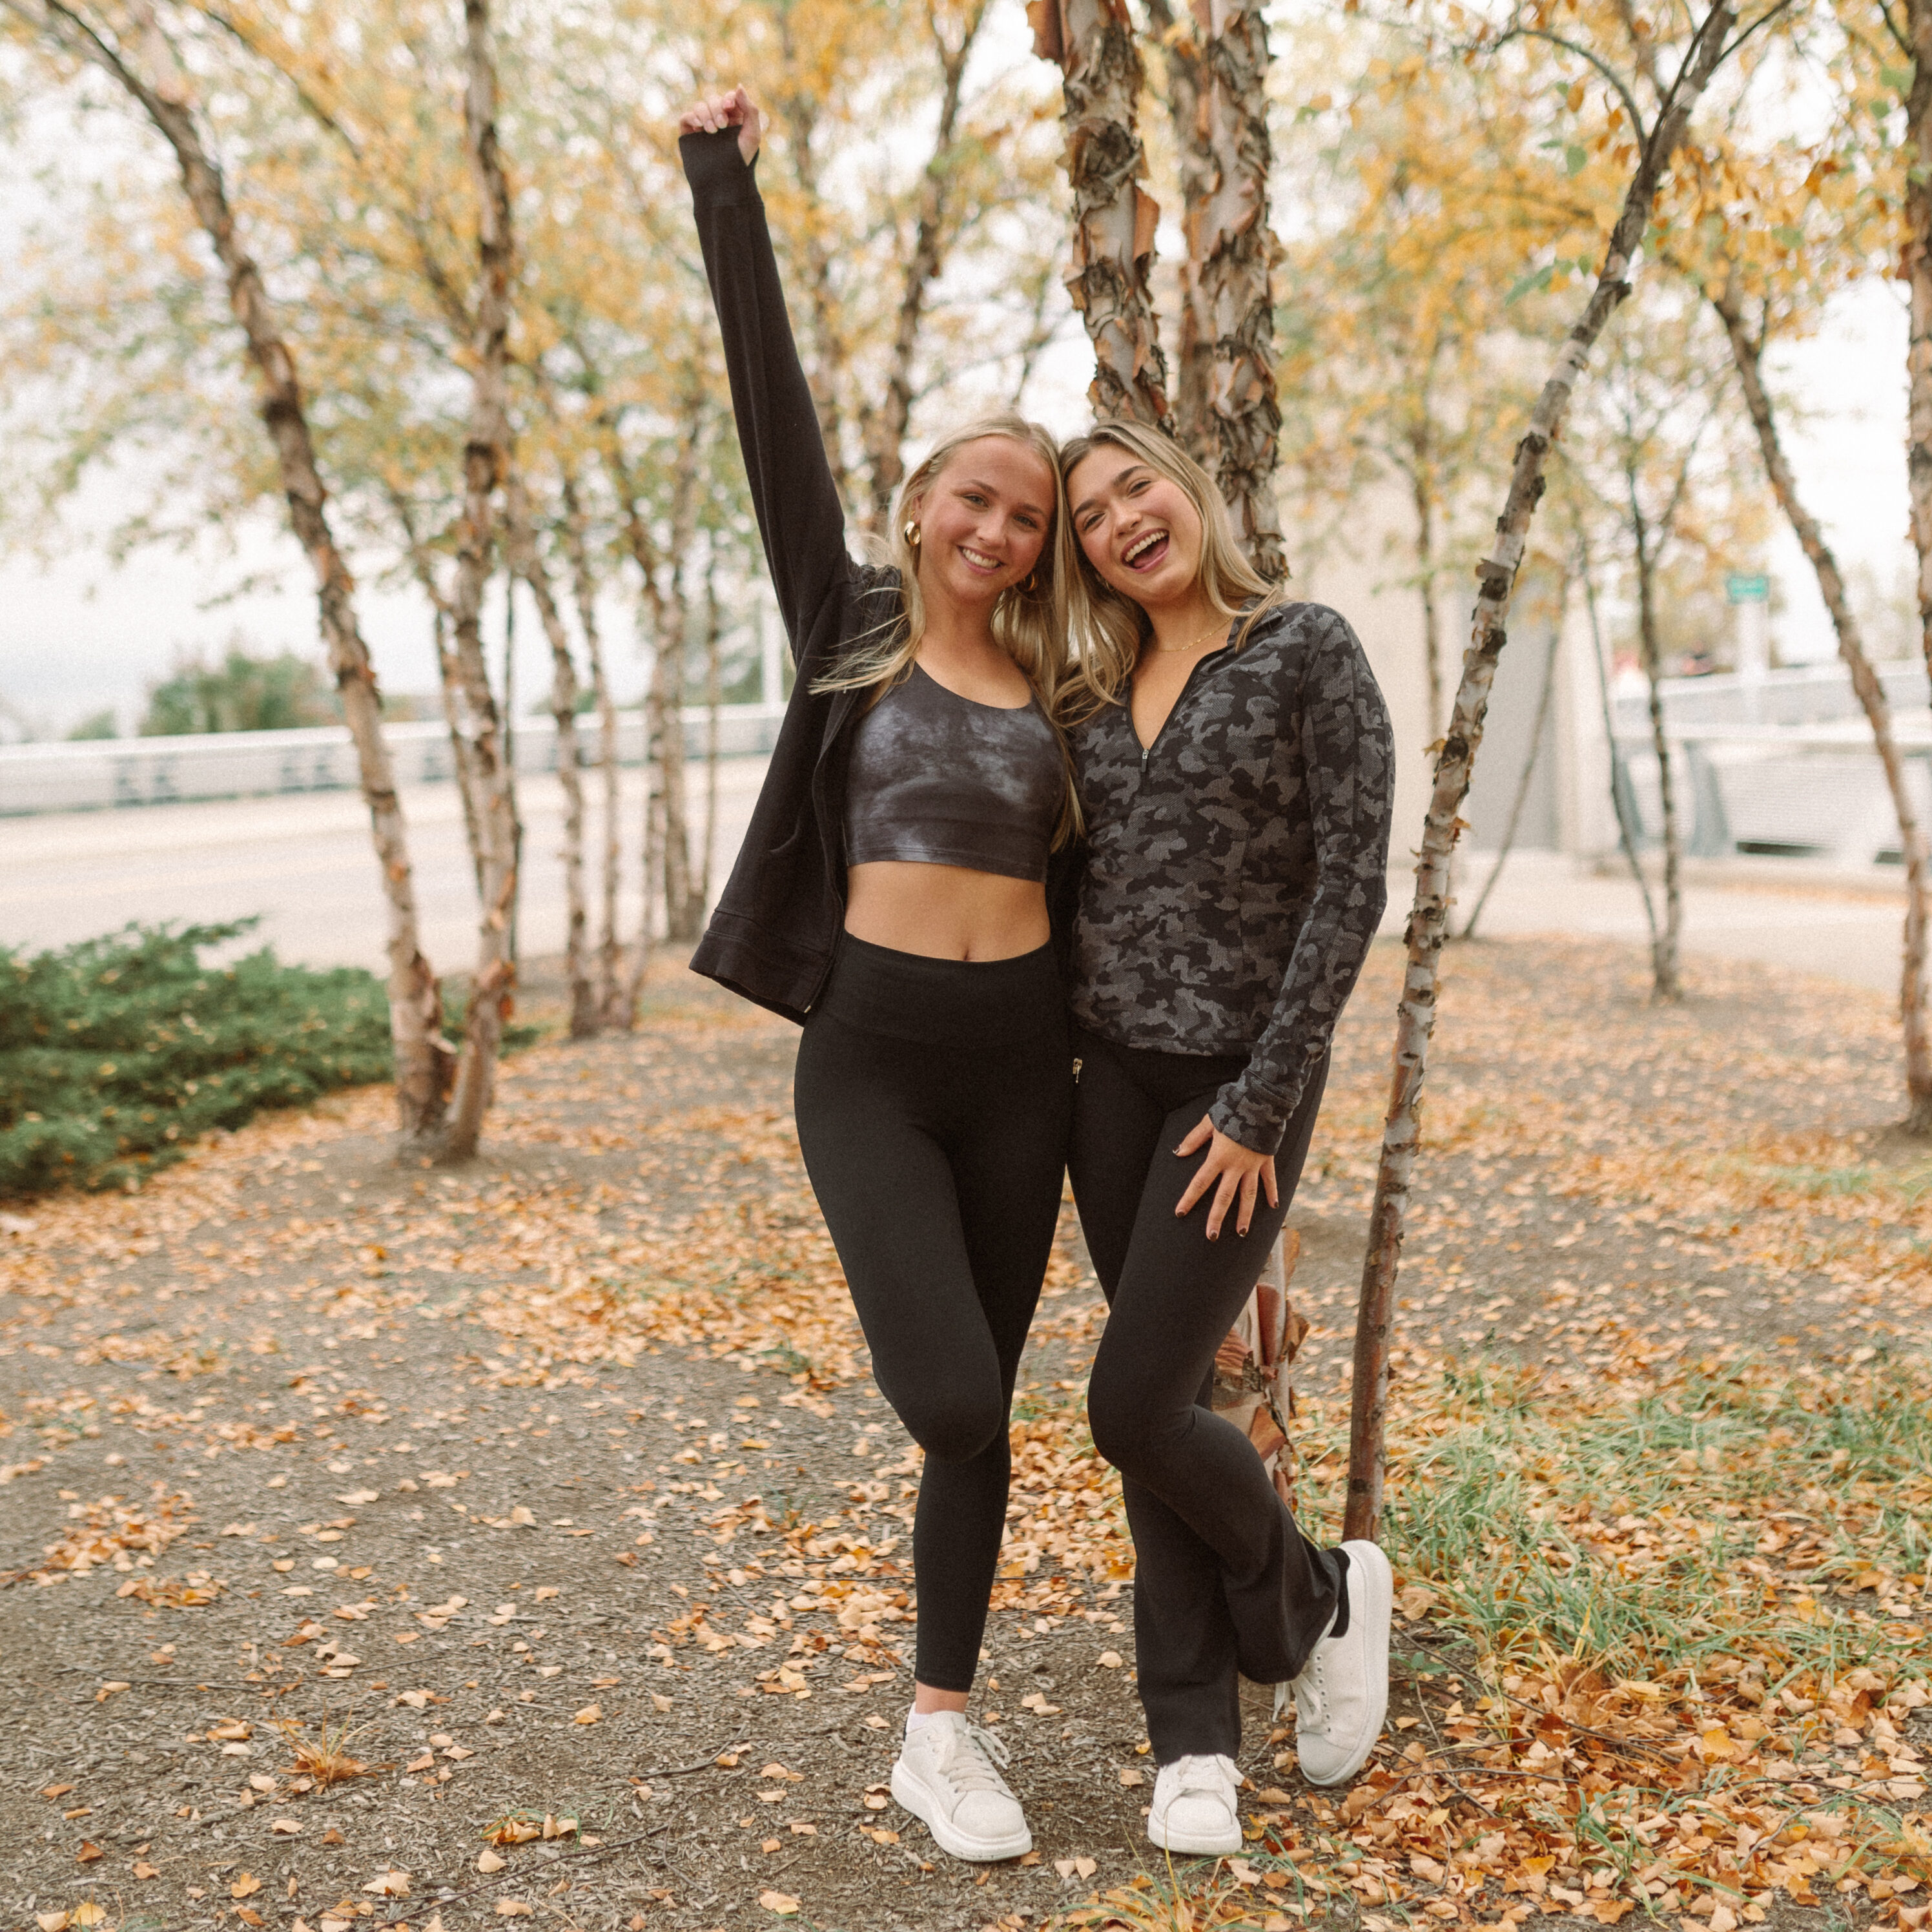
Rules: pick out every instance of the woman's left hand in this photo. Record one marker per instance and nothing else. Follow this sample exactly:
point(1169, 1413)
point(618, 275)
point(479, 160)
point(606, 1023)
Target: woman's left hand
point(1233, 1172)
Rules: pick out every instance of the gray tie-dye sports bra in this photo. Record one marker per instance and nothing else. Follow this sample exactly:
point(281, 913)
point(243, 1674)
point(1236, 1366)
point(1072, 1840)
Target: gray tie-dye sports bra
point(941, 780)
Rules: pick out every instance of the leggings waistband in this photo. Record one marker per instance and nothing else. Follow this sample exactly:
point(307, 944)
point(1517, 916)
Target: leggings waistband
point(942, 1002)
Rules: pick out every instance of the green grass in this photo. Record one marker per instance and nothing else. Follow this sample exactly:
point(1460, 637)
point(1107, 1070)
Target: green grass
point(116, 1053)
point(1626, 1531)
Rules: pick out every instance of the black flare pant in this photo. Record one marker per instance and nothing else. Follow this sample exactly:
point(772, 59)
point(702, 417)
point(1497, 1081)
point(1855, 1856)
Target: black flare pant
point(1226, 1585)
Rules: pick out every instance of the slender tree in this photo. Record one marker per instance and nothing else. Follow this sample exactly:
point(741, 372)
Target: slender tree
point(584, 590)
point(527, 560)
point(485, 464)
point(161, 86)
point(1656, 145)
point(1747, 340)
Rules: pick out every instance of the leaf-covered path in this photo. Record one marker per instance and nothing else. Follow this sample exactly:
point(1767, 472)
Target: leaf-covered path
point(554, 1495)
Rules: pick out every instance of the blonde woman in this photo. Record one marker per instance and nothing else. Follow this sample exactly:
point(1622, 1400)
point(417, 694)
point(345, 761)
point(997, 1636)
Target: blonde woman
point(1234, 769)
point(891, 896)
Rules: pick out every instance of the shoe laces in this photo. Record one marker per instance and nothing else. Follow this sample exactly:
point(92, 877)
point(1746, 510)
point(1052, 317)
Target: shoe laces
point(1204, 1776)
point(1311, 1695)
point(969, 1758)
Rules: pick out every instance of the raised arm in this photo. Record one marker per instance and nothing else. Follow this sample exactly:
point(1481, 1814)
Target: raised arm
point(800, 516)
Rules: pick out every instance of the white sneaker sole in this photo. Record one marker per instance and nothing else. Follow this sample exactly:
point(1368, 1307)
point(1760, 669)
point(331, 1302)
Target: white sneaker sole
point(908, 1791)
point(1198, 1845)
point(1371, 1612)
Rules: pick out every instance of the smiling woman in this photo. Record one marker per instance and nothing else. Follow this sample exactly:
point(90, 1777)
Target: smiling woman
point(891, 895)
point(1233, 760)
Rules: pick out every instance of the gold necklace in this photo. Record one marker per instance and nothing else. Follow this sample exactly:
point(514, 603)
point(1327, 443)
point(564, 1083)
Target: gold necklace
point(1194, 644)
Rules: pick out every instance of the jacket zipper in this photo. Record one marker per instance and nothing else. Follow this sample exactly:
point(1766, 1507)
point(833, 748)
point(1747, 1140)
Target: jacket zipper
point(1180, 698)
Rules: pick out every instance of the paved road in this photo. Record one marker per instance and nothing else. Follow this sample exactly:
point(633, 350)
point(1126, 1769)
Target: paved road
point(304, 864)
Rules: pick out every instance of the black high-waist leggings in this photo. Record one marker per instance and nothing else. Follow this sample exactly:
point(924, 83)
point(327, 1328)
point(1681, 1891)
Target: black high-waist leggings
point(1226, 1585)
point(932, 1098)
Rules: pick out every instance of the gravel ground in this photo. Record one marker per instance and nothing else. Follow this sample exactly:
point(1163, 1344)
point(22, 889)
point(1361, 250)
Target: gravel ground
point(415, 1540)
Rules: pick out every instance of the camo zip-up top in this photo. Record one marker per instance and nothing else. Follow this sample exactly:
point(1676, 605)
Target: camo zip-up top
point(1237, 866)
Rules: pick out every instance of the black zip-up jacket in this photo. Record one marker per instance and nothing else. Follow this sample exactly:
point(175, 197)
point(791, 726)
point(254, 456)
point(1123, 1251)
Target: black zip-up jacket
point(778, 921)
point(1236, 865)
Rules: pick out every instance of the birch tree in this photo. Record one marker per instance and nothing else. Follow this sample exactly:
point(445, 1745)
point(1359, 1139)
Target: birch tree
point(485, 462)
point(132, 51)
point(1092, 43)
point(1702, 41)
point(526, 560)
point(1747, 327)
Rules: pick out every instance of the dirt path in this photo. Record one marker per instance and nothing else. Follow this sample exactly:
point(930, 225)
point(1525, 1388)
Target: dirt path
point(554, 1488)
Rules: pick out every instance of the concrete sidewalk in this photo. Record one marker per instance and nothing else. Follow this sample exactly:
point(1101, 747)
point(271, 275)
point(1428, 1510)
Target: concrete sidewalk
point(304, 862)
point(1848, 932)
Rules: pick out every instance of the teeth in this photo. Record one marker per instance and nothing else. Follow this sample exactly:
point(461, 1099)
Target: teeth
point(1145, 543)
point(979, 557)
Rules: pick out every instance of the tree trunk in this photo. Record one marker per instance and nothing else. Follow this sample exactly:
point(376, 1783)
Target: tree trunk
point(1619, 783)
point(1665, 983)
point(422, 567)
point(666, 856)
point(1092, 42)
point(1230, 246)
point(422, 1059)
point(1194, 355)
point(1428, 917)
point(885, 426)
point(485, 462)
point(1528, 772)
point(1917, 267)
point(584, 589)
point(1748, 356)
point(526, 560)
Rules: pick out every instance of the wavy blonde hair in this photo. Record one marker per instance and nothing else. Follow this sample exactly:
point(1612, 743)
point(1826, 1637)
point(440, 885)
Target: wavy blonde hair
point(1108, 628)
point(1029, 626)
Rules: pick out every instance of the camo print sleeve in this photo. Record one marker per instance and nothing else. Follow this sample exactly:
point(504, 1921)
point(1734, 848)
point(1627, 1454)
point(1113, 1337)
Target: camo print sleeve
point(1236, 870)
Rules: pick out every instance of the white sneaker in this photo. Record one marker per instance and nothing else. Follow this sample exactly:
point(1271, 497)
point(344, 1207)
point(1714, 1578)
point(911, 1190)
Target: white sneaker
point(947, 1775)
point(1195, 1806)
point(1341, 1697)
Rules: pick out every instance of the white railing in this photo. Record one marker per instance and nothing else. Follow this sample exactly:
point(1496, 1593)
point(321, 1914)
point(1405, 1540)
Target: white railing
point(99, 774)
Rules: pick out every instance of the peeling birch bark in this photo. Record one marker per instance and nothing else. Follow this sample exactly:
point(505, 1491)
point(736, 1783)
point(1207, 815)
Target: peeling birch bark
point(1231, 248)
point(1092, 43)
point(485, 462)
point(1194, 352)
point(527, 560)
point(1428, 918)
point(1252, 1389)
point(164, 93)
point(1748, 357)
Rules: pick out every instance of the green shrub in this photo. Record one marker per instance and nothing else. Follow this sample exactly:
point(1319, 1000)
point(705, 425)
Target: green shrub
point(115, 1054)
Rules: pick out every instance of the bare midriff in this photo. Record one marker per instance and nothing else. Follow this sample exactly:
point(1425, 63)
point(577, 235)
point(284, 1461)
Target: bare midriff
point(944, 912)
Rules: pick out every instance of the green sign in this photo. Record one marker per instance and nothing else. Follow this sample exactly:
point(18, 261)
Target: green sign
point(1743, 589)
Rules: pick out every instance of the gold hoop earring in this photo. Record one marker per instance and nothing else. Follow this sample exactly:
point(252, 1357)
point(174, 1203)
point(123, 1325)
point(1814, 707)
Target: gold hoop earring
point(911, 533)
point(1032, 584)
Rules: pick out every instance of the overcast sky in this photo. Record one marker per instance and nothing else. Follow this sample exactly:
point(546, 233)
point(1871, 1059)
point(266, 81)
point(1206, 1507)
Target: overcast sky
point(80, 634)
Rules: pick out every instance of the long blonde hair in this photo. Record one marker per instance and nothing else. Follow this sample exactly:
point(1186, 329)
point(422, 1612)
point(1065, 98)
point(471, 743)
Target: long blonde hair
point(1108, 627)
point(1029, 626)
